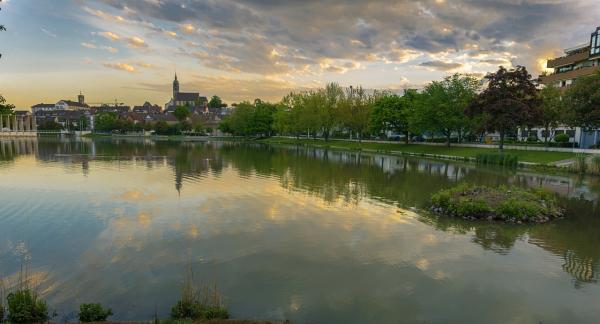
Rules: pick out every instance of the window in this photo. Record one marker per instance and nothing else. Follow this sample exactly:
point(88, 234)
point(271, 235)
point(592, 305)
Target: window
point(571, 132)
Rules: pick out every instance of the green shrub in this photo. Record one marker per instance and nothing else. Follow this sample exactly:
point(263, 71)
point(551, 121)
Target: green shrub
point(93, 313)
point(561, 138)
point(520, 209)
point(216, 313)
point(199, 302)
point(472, 207)
point(508, 204)
point(24, 306)
point(497, 159)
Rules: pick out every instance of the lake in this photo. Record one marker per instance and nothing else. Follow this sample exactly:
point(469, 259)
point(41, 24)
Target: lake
point(310, 235)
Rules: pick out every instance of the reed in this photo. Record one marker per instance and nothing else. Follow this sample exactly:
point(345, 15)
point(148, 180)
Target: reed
point(497, 159)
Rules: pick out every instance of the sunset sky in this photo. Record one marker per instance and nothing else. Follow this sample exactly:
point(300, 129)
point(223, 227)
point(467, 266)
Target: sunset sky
point(246, 49)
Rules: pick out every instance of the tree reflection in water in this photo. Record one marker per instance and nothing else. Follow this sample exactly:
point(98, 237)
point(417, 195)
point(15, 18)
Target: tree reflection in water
point(351, 177)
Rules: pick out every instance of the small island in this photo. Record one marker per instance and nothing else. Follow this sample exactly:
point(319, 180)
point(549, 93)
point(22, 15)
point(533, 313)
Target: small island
point(509, 205)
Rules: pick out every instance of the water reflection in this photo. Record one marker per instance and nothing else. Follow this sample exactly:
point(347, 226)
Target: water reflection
point(290, 232)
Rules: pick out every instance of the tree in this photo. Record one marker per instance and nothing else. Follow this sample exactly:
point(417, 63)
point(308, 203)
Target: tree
point(509, 101)
point(49, 125)
point(391, 113)
point(443, 103)
point(328, 104)
point(181, 113)
point(355, 111)
point(583, 98)
point(551, 110)
point(106, 121)
point(6, 109)
point(215, 102)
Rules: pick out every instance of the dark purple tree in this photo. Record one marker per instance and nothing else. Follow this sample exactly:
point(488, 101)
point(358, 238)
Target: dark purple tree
point(509, 101)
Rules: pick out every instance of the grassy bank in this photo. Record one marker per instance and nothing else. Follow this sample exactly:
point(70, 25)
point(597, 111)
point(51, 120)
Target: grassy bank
point(539, 157)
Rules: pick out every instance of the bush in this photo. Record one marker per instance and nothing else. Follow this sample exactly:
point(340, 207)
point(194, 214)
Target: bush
point(93, 313)
point(561, 138)
point(203, 302)
point(24, 306)
point(502, 203)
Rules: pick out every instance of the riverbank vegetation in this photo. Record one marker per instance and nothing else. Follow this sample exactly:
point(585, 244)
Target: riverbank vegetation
point(198, 303)
point(453, 110)
point(540, 157)
point(511, 205)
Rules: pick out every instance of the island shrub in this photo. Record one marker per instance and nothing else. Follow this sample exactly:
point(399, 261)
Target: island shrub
point(25, 306)
point(497, 158)
point(514, 205)
point(93, 313)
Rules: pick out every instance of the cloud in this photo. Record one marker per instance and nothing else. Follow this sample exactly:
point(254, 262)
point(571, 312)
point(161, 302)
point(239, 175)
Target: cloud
point(441, 65)
point(88, 45)
point(110, 35)
point(110, 49)
point(292, 40)
point(47, 32)
point(187, 28)
point(120, 66)
point(136, 42)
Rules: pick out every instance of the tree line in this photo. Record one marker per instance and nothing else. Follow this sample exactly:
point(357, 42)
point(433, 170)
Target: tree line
point(457, 108)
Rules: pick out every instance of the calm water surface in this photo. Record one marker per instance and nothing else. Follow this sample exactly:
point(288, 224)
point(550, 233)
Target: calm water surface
point(310, 235)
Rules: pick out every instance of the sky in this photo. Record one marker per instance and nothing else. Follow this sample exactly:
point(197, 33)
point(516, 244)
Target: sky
point(128, 51)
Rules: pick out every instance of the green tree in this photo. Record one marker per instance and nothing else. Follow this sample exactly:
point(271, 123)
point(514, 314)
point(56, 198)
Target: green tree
point(583, 99)
point(181, 113)
point(355, 111)
point(509, 101)
point(442, 105)
point(49, 125)
point(6, 109)
point(551, 110)
point(106, 121)
point(391, 113)
point(328, 104)
point(215, 102)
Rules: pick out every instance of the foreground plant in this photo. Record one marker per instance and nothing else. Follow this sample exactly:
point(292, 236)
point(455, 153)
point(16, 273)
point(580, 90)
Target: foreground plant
point(199, 302)
point(93, 313)
point(513, 205)
point(24, 306)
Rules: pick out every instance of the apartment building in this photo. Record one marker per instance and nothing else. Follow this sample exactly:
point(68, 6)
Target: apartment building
point(578, 61)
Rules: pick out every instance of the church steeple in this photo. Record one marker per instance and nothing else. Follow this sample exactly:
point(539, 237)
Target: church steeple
point(175, 86)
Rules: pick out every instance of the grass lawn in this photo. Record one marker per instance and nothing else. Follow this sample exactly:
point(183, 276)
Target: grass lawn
point(541, 157)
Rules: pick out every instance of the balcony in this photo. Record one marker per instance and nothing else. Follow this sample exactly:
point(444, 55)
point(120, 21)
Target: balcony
point(569, 59)
point(552, 78)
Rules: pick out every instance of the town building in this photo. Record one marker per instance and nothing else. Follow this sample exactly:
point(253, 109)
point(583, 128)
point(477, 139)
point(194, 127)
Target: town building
point(192, 100)
point(62, 105)
point(116, 108)
point(147, 108)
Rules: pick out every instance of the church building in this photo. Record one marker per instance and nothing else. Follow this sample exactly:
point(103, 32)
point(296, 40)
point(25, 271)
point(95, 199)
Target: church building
point(192, 100)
